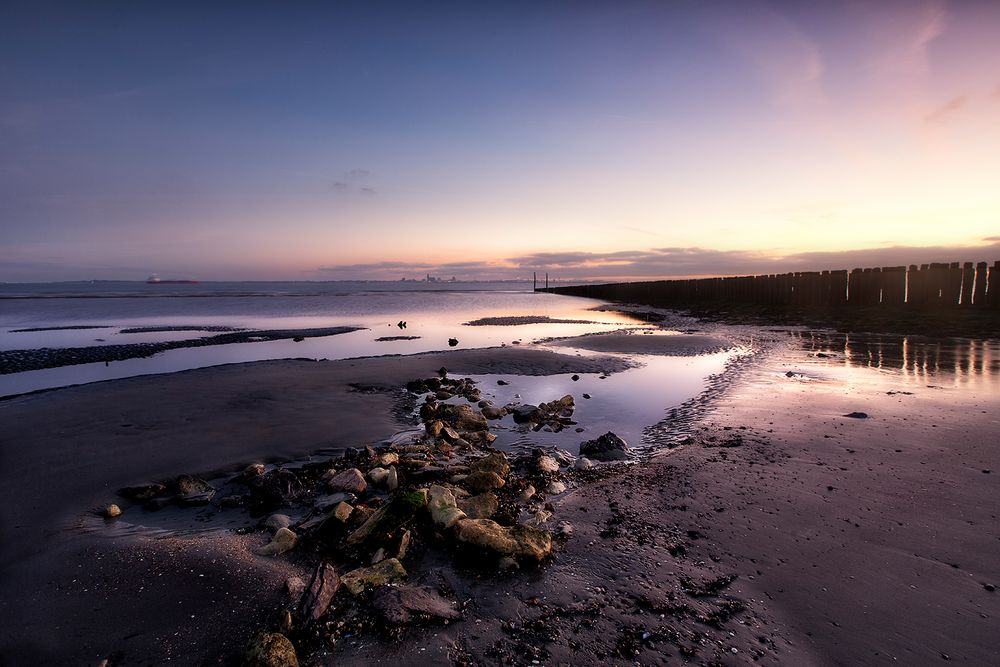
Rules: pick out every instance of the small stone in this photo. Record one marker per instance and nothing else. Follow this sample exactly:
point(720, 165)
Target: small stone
point(271, 649)
point(546, 465)
point(990, 587)
point(112, 511)
point(143, 493)
point(857, 415)
point(555, 488)
point(342, 512)
point(575, 378)
point(452, 342)
point(528, 492)
point(295, 586)
point(583, 463)
point(377, 475)
point(350, 480)
point(608, 447)
point(388, 458)
point(253, 470)
point(493, 412)
point(385, 572)
point(443, 508)
point(379, 555)
point(277, 521)
point(283, 540)
point(507, 564)
point(404, 544)
point(392, 479)
point(564, 529)
point(587, 396)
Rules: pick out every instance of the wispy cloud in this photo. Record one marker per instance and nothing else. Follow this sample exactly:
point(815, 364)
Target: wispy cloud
point(946, 109)
point(907, 52)
point(671, 262)
point(787, 60)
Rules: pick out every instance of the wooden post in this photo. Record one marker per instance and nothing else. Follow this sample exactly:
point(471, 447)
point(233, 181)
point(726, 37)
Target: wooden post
point(954, 285)
point(979, 295)
point(534, 281)
point(546, 280)
point(968, 276)
point(993, 286)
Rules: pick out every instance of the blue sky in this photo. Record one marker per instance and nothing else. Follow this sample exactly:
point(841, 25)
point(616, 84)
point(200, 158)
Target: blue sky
point(263, 140)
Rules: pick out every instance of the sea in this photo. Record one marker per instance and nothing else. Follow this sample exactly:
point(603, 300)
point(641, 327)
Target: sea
point(83, 314)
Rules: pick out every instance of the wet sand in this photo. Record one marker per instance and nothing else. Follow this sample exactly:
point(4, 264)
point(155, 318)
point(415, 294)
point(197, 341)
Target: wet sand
point(852, 541)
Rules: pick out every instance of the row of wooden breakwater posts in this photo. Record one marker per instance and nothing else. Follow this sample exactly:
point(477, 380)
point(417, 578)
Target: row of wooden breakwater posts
point(956, 284)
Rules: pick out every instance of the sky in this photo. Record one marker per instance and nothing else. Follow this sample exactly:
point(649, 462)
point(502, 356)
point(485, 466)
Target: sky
point(593, 140)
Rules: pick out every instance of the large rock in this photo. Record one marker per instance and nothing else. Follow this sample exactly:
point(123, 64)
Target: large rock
point(525, 413)
point(443, 508)
point(322, 587)
point(380, 574)
point(495, 463)
point(608, 447)
point(518, 541)
point(462, 417)
point(283, 540)
point(271, 650)
point(405, 604)
point(482, 506)
point(350, 480)
point(482, 480)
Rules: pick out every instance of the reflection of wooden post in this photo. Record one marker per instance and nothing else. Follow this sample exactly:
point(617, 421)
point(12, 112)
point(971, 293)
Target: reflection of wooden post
point(534, 281)
point(546, 280)
point(968, 276)
point(979, 296)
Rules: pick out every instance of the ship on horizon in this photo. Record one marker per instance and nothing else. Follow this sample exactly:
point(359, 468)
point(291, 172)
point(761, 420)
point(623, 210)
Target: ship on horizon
point(156, 280)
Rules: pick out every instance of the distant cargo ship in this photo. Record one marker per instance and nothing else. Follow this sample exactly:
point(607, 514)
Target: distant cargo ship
point(156, 280)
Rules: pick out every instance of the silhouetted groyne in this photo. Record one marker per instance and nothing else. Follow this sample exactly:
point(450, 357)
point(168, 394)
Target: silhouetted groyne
point(928, 286)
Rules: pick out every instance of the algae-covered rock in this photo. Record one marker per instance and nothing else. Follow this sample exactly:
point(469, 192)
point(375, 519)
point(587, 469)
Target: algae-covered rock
point(271, 649)
point(443, 508)
point(387, 519)
point(380, 574)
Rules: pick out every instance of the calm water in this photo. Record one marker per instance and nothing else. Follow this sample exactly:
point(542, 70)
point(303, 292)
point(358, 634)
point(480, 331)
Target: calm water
point(433, 311)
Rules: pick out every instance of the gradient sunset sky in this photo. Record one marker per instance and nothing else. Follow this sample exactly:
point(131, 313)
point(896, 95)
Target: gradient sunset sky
point(316, 141)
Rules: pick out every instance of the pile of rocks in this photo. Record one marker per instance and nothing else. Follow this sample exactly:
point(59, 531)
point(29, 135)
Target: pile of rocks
point(371, 520)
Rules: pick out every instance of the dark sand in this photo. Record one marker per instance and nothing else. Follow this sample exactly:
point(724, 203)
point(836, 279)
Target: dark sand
point(65, 452)
point(869, 546)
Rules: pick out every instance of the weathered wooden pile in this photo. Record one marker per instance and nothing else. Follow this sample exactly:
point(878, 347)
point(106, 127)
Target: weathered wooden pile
point(938, 285)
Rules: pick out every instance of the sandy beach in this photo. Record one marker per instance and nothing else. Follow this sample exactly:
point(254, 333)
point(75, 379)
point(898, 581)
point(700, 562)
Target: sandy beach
point(781, 532)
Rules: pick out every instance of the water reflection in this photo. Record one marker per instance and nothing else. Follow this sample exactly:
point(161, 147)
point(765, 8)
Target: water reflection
point(960, 362)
